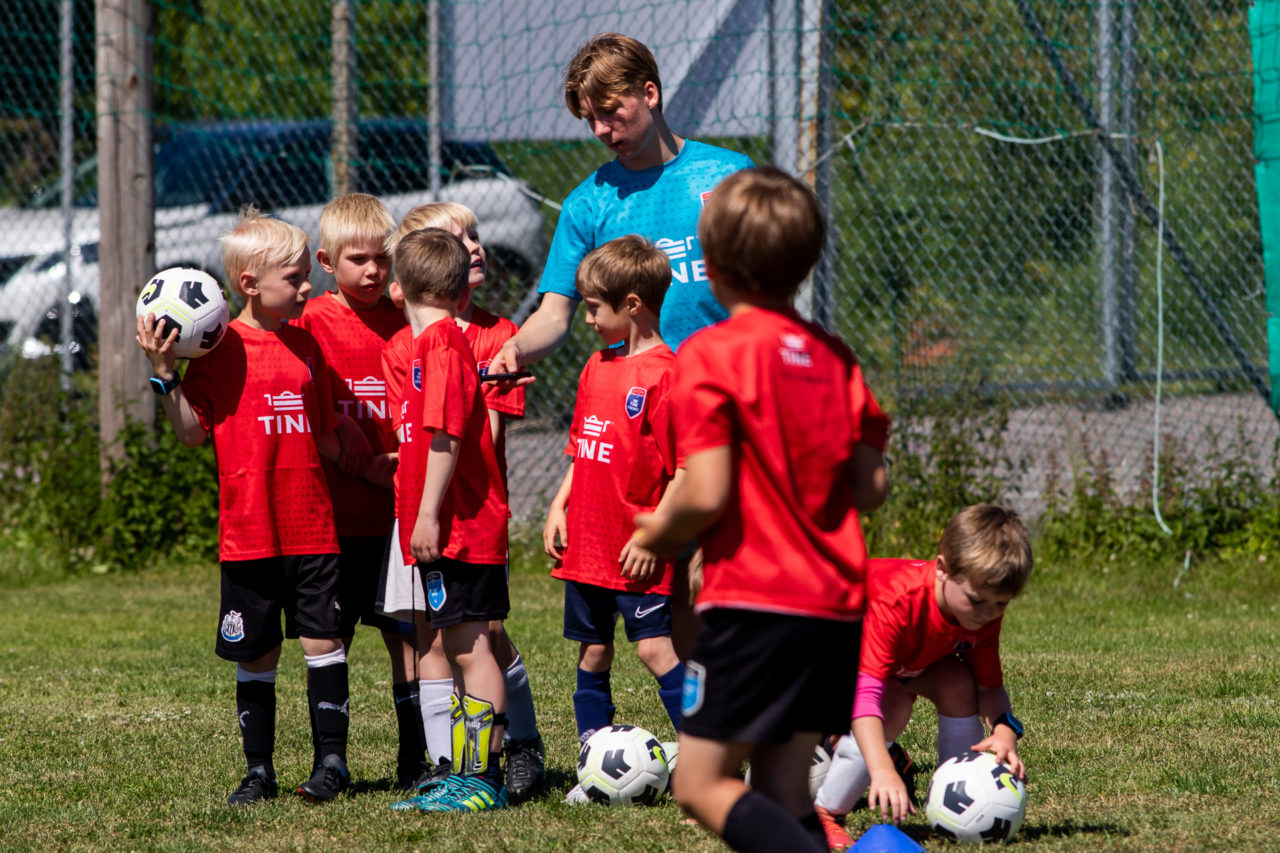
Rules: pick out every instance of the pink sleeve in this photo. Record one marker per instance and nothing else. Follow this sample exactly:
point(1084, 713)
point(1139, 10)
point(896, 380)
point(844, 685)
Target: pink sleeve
point(866, 697)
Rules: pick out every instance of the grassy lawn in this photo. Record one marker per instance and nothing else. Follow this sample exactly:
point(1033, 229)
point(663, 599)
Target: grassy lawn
point(1151, 714)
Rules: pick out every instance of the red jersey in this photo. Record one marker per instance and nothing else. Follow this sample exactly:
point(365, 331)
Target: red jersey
point(486, 333)
point(255, 394)
point(353, 342)
point(622, 441)
point(442, 392)
point(905, 632)
point(395, 365)
point(790, 401)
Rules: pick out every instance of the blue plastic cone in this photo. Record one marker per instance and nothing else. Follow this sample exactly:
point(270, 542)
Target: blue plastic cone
point(885, 838)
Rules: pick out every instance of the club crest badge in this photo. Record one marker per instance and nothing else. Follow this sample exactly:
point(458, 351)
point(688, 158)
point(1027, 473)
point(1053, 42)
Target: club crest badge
point(232, 629)
point(635, 402)
point(695, 688)
point(417, 374)
point(484, 366)
point(435, 590)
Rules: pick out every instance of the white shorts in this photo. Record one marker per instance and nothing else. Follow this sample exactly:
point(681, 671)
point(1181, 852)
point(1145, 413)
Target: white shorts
point(400, 592)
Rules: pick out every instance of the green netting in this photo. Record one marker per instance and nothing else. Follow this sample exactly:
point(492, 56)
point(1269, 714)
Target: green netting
point(976, 243)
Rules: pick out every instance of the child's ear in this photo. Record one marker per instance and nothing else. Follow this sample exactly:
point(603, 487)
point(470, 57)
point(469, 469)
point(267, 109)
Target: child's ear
point(322, 258)
point(941, 568)
point(248, 284)
point(651, 95)
point(632, 303)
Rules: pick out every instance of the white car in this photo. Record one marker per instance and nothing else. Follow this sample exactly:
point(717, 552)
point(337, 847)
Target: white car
point(205, 173)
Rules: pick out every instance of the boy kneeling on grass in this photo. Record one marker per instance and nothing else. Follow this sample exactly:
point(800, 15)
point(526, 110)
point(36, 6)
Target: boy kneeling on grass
point(933, 630)
point(783, 446)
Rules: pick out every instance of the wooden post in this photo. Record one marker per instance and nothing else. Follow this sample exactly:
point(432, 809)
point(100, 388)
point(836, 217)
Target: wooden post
point(343, 72)
point(126, 205)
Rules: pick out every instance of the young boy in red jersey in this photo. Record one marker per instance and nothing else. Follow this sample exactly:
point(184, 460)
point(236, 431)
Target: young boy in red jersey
point(933, 630)
point(451, 506)
point(485, 333)
point(352, 326)
point(623, 453)
point(266, 396)
point(782, 443)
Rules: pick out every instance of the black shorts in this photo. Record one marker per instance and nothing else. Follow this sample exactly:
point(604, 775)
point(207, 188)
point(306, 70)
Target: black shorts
point(764, 677)
point(460, 592)
point(255, 592)
point(591, 612)
point(360, 571)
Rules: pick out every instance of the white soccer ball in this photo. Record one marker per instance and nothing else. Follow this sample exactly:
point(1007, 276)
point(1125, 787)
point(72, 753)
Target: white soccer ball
point(623, 766)
point(974, 798)
point(191, 301)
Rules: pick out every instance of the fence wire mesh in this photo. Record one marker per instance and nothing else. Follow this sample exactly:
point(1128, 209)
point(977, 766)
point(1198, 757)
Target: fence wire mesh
point(1049, 205)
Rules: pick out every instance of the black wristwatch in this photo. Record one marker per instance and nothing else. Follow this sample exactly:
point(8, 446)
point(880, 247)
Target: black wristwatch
point(164, 386)
point(1008, 719)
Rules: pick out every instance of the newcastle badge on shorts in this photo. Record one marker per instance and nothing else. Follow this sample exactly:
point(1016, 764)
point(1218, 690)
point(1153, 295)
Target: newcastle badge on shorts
point(435, 590)
point(232, 627)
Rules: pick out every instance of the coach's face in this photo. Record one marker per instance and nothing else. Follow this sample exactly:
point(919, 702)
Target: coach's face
point(629, 128)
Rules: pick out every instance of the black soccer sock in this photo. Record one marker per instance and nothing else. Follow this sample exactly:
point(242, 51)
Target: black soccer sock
point(256, 710)
point(413, 742)
point(671, 692)
point(328, 693)
point(756, 824)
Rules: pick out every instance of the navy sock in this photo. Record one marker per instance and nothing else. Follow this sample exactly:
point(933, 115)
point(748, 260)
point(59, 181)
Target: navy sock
point(671, 692)
point(413, 743)
point(328, 692)
point(256, 709)
point(756, 824)
point(592, 701)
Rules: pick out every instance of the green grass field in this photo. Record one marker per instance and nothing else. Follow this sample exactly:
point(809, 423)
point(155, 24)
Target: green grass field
point(1151, 713)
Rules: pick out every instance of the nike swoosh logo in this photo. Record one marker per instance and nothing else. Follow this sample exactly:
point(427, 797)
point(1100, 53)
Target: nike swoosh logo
point(640, 614)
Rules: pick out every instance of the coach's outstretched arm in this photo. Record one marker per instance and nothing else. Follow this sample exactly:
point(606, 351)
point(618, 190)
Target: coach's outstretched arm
point(541, 335)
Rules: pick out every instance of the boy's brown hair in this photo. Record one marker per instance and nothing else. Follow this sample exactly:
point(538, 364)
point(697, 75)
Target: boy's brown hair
point(432, 266)
point(629, 264)
point(763, 231)
point(352, 218)
point(434, 214)
point(989, 546)
point(258, 243)
point(605, 67)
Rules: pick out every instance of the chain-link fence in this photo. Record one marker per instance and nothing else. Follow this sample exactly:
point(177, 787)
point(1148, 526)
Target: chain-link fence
point(1050, 204)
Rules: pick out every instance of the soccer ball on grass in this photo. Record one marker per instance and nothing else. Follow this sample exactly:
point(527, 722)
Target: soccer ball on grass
point(190, 301)
point(974, 798)
point(623, 766)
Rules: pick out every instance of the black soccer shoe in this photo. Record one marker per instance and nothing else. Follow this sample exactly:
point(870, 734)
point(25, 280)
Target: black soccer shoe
point(526, 769)
point(408, 775)
point(254, 787)
point(327, 782)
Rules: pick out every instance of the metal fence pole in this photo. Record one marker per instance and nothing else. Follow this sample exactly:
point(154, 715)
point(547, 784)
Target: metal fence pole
point(67, 166)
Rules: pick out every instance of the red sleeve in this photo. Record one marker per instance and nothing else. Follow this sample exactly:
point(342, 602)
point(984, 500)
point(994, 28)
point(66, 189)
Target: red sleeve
point(984, 657)
point(871, 425)
point(445, 401)
point(326, 382)
point(663, 424)
point(881, 628)
point(704, 406)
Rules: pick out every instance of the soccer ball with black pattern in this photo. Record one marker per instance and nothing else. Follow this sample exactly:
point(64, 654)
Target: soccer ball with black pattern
point(623, 766)
point(191, 301)
point(974, 798)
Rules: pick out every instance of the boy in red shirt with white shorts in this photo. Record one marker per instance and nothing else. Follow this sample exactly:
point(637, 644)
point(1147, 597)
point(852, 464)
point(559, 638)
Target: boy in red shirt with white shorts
point(622, 444)
point(266, 396)
point(451, 505)
point(783, 446)
point(933, 630)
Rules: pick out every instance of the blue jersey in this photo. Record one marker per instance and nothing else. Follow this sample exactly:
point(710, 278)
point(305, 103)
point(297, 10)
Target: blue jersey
point(662, 204)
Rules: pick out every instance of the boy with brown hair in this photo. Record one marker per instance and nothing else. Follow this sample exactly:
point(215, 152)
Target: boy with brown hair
point(622, 445)
point(932, 630)
point(265, 395)
point(782, 443)
point(485, 333)
point(352, 325)
point(451, 506)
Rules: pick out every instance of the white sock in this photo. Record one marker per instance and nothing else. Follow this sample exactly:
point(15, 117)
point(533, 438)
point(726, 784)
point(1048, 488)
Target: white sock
point(330, 659)
point(847, 778)
point(242, 674)
point(436, 725)
point(522, 722)
point(956, 735)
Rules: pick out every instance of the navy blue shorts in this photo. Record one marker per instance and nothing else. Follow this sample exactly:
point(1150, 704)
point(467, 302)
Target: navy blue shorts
point(591, 612)
point(256, 592)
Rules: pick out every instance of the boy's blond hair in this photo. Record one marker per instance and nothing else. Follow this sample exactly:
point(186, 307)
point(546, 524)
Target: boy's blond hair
point(629, 264)
point(436, 214)
point(989, 546)
point(258, 243)
point(763, 231)
point(606, 66)
point(353, 218)
point(432, 266)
